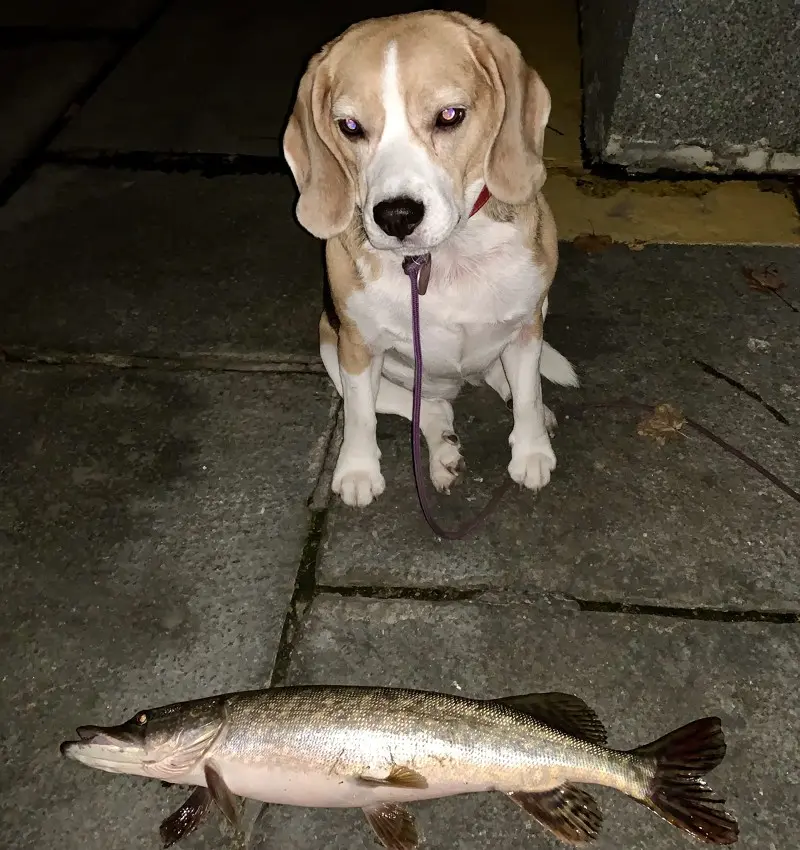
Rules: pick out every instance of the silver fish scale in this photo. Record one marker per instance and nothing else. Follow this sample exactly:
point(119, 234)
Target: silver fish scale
point(353, 732)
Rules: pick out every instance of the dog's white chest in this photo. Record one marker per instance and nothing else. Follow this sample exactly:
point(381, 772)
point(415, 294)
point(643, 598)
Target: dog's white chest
point(483, 287)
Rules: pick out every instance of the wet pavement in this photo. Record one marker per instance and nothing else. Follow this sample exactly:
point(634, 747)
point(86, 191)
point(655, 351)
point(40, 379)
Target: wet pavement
point(167, 434)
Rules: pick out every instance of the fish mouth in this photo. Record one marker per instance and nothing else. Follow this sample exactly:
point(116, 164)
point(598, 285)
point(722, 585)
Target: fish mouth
point(111, 748)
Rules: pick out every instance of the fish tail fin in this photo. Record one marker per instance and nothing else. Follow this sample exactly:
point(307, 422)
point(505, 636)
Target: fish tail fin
point(677, 791)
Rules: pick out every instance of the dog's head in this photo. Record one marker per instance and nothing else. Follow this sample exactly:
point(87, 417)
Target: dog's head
point(404, 120)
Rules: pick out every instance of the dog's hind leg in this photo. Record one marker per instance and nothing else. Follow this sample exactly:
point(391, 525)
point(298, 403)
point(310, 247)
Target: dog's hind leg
point(328, 351)
point(436, 424)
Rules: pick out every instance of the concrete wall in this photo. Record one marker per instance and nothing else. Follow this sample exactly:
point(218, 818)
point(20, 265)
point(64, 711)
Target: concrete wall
point(693, 85)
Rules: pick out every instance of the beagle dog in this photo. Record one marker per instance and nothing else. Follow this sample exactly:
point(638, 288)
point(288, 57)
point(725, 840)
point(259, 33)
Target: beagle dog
point(402, 129)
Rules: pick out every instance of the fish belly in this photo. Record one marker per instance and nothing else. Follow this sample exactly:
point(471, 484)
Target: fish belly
point(285, 786)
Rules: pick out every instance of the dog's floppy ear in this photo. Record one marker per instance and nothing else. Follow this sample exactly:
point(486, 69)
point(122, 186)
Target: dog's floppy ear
point(327, 199)
point(514, 168)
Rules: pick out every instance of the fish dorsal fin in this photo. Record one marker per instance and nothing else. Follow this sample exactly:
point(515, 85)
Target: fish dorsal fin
point(568, 812)
point(565, 712)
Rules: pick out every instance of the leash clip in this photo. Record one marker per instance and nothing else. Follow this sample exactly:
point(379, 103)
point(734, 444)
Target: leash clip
point(418, 268)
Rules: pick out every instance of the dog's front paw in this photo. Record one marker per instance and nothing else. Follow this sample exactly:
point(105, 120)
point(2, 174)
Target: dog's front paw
point(358, 481)
point(531, 467)
point(446, 463)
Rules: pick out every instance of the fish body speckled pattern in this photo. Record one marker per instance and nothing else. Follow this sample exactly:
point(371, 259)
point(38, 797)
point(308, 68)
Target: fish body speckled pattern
point(380, 748)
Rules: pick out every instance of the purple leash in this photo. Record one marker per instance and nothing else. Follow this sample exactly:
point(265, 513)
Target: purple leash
point(418, 270)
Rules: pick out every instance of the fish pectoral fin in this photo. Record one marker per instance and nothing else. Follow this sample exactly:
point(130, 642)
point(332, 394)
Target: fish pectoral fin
point(394, 825)
point(399, 776)
point(222, 795)
point(564, 712)
point(185, 819)
point(568, 812)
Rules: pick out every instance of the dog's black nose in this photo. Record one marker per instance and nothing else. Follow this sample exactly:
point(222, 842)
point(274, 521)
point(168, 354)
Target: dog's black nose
point(398, 217)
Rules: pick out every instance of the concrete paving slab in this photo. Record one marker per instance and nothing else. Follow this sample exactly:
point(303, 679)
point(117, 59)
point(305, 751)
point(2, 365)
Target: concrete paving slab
point(623, 519)
point(643, 675)
point(151, 263)
point(74, 14)
point(37, 83)
point(151, 526)
point(218, 77)
point(685, 525)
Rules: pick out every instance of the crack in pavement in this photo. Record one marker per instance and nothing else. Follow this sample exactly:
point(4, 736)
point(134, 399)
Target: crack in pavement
point(208, 165)
point(305, 589)
point(504, 596)
point(24, 35)
point(442, 593)
point(738, 385)
point(305, 586)
point(178, 362)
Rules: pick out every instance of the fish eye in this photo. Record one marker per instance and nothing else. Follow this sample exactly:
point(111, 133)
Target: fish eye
point(450, 116)
point(351, 128)
point(141, 718)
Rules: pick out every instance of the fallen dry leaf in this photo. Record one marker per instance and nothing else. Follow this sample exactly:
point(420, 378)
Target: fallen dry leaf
point(763, 280)
point(592, 243)
point(663, 423)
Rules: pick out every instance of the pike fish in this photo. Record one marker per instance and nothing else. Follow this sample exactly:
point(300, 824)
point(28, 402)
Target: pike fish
point(380, 748)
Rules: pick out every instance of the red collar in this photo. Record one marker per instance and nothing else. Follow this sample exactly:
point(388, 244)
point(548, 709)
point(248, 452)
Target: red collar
point(481, 200)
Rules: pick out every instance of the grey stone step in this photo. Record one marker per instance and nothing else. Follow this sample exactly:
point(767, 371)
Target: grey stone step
point(708, 86)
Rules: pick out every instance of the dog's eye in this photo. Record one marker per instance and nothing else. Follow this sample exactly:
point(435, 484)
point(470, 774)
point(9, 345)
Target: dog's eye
point(351, 128)
point(451, 116)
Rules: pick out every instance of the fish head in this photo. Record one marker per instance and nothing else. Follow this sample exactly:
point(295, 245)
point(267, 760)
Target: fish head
point(161, 743)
